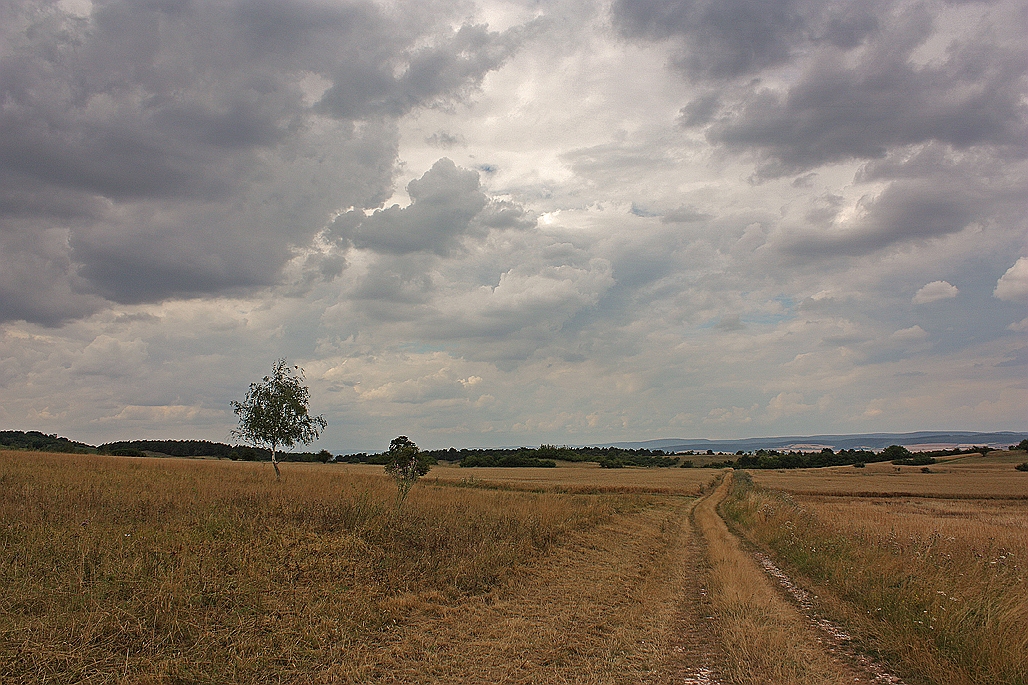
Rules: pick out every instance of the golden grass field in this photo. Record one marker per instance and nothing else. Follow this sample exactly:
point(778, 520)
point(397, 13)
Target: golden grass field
point(122, 570)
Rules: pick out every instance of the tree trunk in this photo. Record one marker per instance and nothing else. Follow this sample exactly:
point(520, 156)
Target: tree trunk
point(274, 462)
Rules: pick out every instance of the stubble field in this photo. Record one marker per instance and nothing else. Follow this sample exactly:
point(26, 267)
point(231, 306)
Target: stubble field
point(121, 570)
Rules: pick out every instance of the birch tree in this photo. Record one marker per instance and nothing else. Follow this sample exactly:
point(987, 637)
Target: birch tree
point(274, 412)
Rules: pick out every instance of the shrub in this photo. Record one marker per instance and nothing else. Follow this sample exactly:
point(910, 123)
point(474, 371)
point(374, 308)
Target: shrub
point(405, 466)
point(125, 452)
point(895, 453)
point(1022, 467)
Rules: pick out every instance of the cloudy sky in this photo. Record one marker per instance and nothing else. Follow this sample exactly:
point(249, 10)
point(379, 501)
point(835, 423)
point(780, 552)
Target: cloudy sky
point(498, 223)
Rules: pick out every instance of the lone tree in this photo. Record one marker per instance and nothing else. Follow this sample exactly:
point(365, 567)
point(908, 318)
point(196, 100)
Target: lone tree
point(405, 465)
point(274, 412)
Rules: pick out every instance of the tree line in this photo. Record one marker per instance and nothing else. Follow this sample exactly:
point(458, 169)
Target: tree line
point(897, 454)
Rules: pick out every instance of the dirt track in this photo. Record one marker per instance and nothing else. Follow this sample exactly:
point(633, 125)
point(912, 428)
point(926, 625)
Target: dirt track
point(765, 633)
point(666, 595)
point(606, 608)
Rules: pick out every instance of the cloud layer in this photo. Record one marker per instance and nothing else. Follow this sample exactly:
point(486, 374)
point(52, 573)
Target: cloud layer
point(502, 223)
point(181, 149)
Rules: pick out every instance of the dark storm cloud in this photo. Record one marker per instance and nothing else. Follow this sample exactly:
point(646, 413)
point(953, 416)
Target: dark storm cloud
point(836, 112)
point(932, 194)
point(429, 75)
point(34, 278)
point(443, 203)
point(848, 26)
point(447, 203)
point(905, 211)
point(185, 148)
point(719, 38)
point(700, 111)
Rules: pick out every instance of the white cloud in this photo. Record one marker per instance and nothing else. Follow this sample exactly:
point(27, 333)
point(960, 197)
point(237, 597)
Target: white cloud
point(910, 334)
point(159, 415)
point(729, 416)
point(107, 356)
point(787, 404)
point(1013, 285)
point(935, 291)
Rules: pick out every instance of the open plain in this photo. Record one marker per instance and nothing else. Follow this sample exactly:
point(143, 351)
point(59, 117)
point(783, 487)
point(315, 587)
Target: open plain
point(127, 570)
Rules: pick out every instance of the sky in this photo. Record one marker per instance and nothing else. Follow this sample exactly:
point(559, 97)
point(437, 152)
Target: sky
point(492, 223)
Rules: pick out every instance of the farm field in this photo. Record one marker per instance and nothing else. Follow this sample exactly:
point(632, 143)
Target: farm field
point(125, 570)
point(972, 477)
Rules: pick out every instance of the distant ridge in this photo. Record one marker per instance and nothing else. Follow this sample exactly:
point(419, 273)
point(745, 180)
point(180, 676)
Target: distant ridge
point(871, 441)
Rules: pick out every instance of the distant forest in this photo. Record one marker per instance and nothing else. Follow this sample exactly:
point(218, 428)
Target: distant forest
point(545, 456)
point(41, 442)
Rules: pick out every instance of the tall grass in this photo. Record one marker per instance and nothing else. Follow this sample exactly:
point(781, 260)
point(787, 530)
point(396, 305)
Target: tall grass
point(937, 588)
point(121, 570)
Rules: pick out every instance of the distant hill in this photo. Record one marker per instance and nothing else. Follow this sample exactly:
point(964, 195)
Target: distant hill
point(869, 441)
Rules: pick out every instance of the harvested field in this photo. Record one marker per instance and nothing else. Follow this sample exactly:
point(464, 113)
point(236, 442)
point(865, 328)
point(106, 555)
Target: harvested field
point(121, 570)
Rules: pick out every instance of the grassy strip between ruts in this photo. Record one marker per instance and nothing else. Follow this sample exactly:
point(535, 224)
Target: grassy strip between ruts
point(937, 592)
point(122, 570)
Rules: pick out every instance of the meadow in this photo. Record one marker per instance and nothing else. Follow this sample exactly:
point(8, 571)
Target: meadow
point(129, 570)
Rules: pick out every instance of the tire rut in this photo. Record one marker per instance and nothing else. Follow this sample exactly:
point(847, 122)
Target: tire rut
point(692, 647)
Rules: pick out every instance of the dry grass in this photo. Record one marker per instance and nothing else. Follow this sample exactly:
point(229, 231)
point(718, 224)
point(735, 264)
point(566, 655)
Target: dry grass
point(602, 609)
point(185, 571)
point(135, 570)
point(937, 586)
